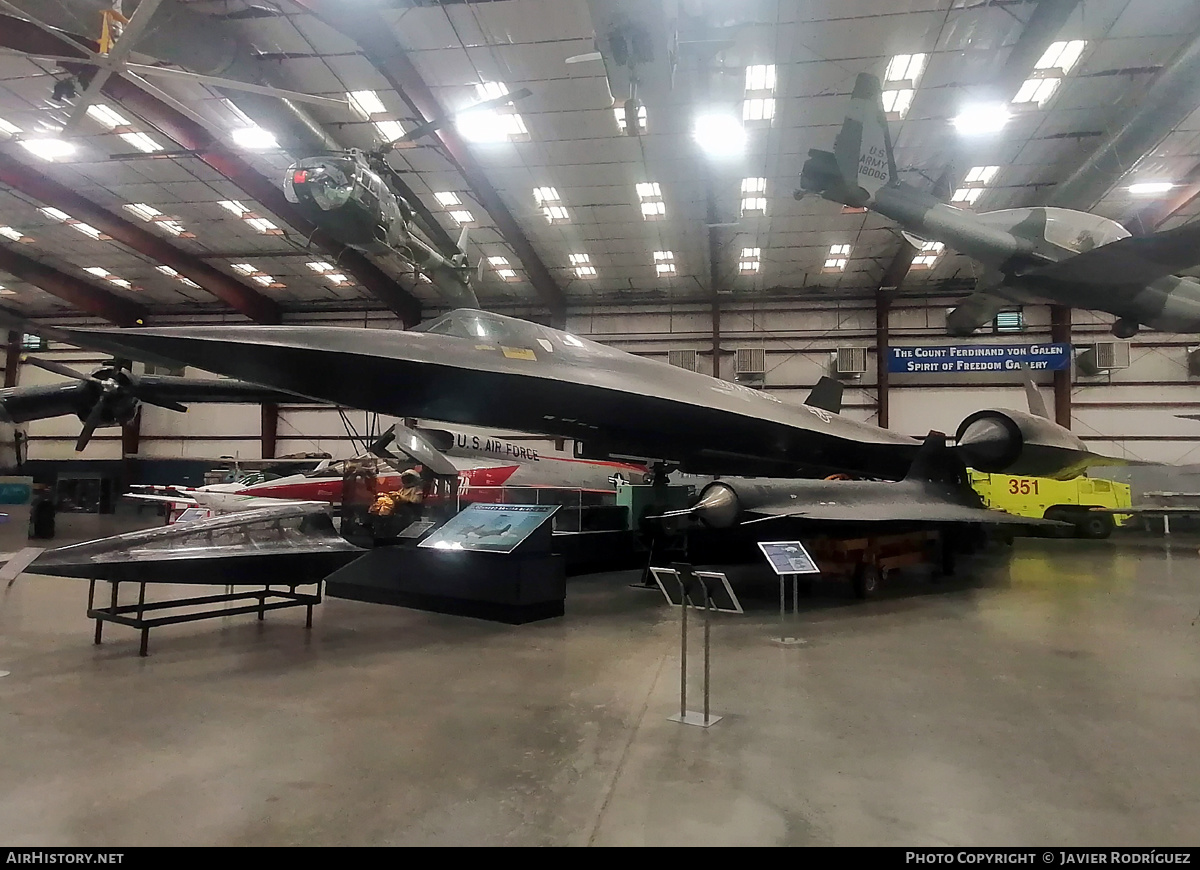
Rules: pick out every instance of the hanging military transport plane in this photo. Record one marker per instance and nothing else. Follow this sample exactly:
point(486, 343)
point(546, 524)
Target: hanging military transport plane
point(1047, 255)
point(484, 369)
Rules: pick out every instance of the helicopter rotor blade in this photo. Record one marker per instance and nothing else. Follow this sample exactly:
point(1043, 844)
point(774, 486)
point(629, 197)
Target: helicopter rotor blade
point(168, 72)
point(437, 123)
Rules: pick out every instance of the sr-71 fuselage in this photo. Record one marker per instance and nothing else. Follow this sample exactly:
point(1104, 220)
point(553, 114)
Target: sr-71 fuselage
point(479, 368)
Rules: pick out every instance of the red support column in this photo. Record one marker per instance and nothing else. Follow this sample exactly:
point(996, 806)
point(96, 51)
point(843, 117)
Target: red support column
point(12, 359)
point(883, 305)
point(270, 429)
point(1060, 331)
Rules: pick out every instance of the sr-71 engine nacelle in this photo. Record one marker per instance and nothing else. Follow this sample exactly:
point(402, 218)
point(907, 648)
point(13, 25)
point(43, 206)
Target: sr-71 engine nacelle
point(1013, 442)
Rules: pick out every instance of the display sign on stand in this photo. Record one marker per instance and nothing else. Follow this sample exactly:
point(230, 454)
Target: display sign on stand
point(490, 528)
point(687, 588)
point(788, 559)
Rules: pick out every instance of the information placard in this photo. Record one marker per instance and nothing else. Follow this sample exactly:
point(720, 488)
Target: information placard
point(788, 557)
point(492, 528)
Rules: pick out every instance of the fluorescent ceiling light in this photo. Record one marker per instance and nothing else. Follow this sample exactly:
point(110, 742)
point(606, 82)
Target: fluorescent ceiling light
point(1062, 55)
point(506, 274)
point(655, 209)
point(664, 263)
point(320, 266)
point(897, 102)
point(556, 214)
point(1038, 90)
point(585, 271)
point(580, 259)
point(462, 216)
point(619, 111)
point(835, 264)
point(1145, 188)
point(12, 234)
point(498, 261)
point(446, 198)
point(981, 174)
point(647, 189)
point(905, 68)
point(500, 264)
point(167, 270)
point(366, 103)
point(142, 142)
point(54, 214)
point(491, 125)
point(10, 129)
point(720, 135)
point(758, 109)
point(264, 226)
point(754, 205)
point(254, 138)
point(981, 119)
point(760, 77)
point(244, 268)
point(967, 195)
point(48, 149)
point(265, 280)
point(233, 206)
point(145, 212)
point(101, 272)
point(87, 229)
point(749, 262)
point(754, 185)
point(839, 250)
point(107, 116)
point(544, 195)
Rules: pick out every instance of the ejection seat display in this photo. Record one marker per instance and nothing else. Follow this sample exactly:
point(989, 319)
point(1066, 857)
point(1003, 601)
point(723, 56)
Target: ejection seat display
point(492, 528)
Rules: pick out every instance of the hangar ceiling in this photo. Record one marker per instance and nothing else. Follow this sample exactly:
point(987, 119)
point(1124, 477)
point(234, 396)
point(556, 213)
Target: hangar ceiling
point(606, 187)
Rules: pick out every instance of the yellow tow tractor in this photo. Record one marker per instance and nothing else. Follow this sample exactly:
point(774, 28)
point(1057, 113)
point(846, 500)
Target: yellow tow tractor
point(1063, 500)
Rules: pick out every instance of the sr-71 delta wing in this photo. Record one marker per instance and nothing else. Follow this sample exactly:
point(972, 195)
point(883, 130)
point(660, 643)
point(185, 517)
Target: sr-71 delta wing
point(479, 368)
point(1042, 254)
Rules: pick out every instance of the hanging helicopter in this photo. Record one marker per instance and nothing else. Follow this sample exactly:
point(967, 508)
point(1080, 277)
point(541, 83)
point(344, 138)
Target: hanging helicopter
point(357, 197)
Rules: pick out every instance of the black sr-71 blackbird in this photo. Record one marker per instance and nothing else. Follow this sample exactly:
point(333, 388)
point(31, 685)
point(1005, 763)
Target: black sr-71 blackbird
point(479, 368)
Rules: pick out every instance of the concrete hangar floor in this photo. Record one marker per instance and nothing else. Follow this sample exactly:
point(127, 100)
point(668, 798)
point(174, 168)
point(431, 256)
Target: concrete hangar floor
point(1048, 696)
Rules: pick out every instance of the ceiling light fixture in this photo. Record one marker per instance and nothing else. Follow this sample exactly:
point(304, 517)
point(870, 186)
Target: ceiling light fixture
point(167, 270)
point(48, 149)
point(1147, 188)
point(981, 119)
point(447, 198)
point(14, 234)
point(720, 135)
point(254, 138)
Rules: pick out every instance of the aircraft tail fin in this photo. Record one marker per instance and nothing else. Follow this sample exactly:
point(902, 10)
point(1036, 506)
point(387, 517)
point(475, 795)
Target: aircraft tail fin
point(862, 160)
point(863, 147)
point(1037, 405)
point(826, 394)
point(935, 462)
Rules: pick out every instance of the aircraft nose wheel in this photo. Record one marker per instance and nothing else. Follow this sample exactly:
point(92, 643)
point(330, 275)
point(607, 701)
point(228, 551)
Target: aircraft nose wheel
point(1124, 328)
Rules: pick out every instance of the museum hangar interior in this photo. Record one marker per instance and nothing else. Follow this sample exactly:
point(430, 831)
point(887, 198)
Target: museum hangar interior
point(599, 422)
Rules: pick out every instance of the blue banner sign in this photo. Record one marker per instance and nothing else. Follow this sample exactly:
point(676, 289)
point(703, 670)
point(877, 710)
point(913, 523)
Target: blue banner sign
point(979, 358)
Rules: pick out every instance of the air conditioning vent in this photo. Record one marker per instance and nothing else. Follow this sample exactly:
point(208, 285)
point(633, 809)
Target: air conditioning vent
point(1104, 356)
point(683, 359)
point(751, 361)
point(850, 362)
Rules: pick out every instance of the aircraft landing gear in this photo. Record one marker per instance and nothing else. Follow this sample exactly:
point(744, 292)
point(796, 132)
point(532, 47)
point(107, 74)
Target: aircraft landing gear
point(1125, 328)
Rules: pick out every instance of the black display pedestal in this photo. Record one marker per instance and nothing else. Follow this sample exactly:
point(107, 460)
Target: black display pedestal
point(525, 585)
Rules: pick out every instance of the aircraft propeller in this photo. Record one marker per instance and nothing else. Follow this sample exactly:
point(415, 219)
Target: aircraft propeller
point(117, 399)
